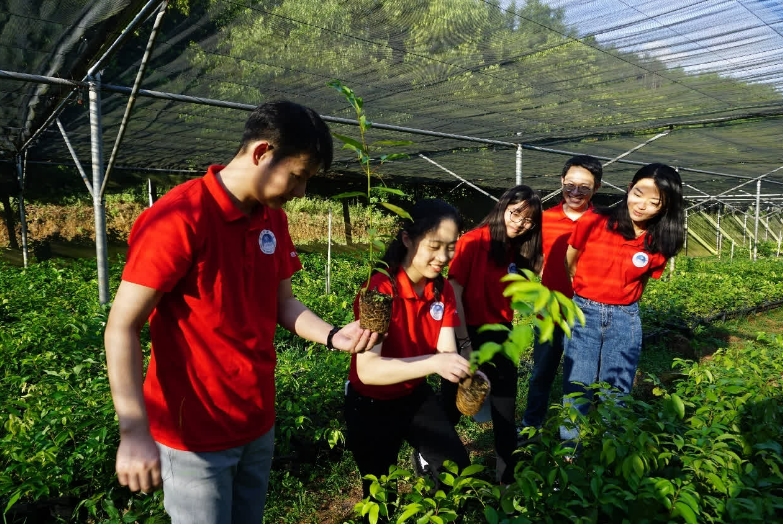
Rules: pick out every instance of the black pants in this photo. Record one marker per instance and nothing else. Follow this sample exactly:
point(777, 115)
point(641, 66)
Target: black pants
point(503, 377)
point(377, 428)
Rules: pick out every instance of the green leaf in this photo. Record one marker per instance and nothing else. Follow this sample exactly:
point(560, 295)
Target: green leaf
point(491, 515)
point(678, 405)
point(522, 336)
point(393, 156)
point(472, 469)
point(386, 189)
point(392, 143)
point(349, 141)
point(374, 513)
point(410, 510)
point(396, 209)
point(348, 194)
point(716, 482)
point(681, 509)
point(638, 465)
point(447, 479)
point(13, 500)
point(492, 327)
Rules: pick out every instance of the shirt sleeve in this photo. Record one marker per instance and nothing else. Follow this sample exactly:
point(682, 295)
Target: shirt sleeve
point(658, 270)
point(161, 246)
point(459, 267)
point(450, 316)
point(290, 258)
point(584, 226)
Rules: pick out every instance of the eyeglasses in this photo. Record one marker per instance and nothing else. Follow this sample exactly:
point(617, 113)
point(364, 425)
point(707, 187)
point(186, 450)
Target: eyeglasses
point(518, 218)
point(579, 190)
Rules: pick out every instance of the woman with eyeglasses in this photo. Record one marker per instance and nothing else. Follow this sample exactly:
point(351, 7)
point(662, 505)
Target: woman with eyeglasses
point(581, 178)
point(506, 241)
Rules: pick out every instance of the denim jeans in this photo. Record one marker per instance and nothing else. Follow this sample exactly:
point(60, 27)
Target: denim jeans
point(606, 349)
point(546, 361)
point(227, 486)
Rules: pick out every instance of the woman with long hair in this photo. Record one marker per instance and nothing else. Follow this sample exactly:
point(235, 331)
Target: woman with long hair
point(388, 400)
point(612, 254)
point(506, 241)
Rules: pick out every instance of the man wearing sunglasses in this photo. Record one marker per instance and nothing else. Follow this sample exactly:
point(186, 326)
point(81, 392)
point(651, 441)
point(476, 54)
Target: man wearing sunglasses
point(580, 178)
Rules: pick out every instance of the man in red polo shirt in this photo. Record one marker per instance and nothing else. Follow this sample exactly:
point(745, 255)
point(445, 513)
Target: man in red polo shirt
point(581, 178)
point(210, 266)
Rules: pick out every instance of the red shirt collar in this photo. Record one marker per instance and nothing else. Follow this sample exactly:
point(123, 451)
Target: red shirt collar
point(405, 287)
point(227, 207)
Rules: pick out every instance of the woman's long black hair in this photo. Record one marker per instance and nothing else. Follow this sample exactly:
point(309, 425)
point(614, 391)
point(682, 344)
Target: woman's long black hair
point(426, 216)
point(526, 248)
point(666, 231)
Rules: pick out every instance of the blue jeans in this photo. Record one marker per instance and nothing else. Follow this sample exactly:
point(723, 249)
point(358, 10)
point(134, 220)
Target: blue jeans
point(227, 486)
point(546, 361)
point(606, 349)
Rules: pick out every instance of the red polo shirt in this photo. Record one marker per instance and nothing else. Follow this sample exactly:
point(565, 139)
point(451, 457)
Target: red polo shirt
point(414, 329)
point(556, 229)
point(479, 276)
point(210, 382)
point(611, 269)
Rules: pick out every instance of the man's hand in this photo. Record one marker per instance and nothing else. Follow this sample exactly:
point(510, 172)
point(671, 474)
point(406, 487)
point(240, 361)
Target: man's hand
point(354, 339)
point(138, 461)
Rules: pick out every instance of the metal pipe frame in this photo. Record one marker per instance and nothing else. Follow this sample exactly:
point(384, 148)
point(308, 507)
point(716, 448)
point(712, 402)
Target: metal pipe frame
point(134, 90)
point(21, 175)
point(458, 177)
point(96, 150)
point(125, 34)
point(338, 120)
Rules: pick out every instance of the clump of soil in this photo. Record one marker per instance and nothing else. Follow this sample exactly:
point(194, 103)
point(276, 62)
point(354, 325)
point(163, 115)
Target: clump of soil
point(471, 393)
point(375, 310)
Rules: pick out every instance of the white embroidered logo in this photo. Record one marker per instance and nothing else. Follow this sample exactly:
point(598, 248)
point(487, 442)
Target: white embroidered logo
point(640, 259)
point(267, 242)
point(436, 310)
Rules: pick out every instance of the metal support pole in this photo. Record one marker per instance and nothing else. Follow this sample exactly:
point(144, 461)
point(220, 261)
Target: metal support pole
point(79, 167)
point(329, 255)
point(732, 251)
point(718, 238)
point(744, 228)
point(20, 175)
point(519, 164)
point(766, 228)
point(686, 233)
point(152, 192)
point(96, 139)
point(458, 177)
point(134, 91)
point(756, 229)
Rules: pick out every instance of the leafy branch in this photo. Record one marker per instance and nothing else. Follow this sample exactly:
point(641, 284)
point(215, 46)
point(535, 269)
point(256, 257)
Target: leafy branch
point(362, 149)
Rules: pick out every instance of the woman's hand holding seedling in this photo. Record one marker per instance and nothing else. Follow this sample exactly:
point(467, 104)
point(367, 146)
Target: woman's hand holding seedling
point(450, 366)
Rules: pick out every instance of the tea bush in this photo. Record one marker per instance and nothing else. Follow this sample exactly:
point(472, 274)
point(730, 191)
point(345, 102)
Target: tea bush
point(708, 448)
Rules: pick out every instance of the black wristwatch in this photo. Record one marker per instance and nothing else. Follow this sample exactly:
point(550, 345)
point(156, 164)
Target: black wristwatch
point(329, 337)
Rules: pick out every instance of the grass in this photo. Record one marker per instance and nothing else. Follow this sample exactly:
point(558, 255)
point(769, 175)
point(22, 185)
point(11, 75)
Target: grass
point(70, 230)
